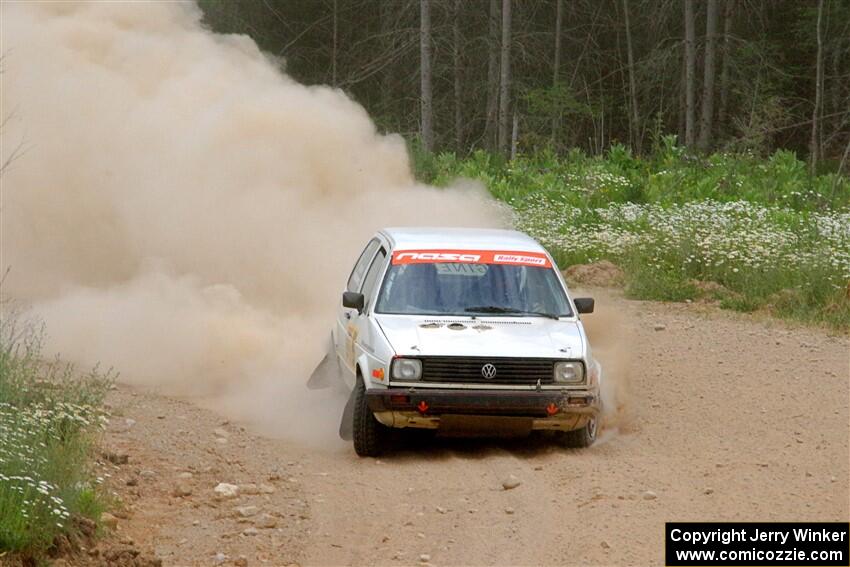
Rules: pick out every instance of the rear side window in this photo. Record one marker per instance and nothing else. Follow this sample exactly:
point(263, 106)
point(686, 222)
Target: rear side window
point(374, 272)
point(356, 277)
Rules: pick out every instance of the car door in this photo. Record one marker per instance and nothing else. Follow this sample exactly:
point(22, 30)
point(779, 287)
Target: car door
point(363, 329)
point(344, 330)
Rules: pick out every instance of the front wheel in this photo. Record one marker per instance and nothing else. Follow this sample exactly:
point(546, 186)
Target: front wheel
point(581, 438)
point(370, 436)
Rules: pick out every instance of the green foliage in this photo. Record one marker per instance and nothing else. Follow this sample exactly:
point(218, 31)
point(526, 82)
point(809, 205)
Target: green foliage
point(748, 232)
point(49, 417)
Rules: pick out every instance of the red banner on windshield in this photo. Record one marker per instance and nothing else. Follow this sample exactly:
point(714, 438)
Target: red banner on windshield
point(471, 257)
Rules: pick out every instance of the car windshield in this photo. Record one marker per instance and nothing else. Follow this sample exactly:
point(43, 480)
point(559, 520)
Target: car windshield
point(458, 288)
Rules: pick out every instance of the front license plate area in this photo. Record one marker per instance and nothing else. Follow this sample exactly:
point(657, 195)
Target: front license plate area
point(483, 426)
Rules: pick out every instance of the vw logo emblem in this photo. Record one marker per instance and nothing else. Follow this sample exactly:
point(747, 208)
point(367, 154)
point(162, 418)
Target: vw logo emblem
point(488, 371)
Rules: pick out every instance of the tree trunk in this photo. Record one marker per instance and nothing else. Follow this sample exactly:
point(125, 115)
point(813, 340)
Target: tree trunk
point(505, 83)
point(426, 101)
point(559, 17)
point(635, 129)
point(492, 77)
point(837, 82)
point(457, 72)
point(388, 101)
point(727, 56)
point(814, 143)
point(683, 106)
point(335, 44)
point(709, 70)
point(514, 136)
point(690, 73)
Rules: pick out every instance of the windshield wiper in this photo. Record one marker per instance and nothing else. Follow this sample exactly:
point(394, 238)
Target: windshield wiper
point(497, 309)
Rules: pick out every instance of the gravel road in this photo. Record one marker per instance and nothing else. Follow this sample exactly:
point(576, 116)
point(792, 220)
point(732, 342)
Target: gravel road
point(722, 417)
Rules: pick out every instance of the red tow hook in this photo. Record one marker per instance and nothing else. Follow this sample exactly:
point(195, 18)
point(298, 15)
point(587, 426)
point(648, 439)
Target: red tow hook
point(422, 406)
point(551, 409)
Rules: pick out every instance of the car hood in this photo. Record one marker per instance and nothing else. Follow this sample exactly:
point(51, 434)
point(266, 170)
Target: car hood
point(493, 336)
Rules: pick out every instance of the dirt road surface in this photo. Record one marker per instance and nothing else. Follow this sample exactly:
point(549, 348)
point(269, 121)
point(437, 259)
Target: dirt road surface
point(728, 418)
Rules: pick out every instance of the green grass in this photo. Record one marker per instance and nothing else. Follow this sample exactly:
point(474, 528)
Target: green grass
point(49, 420)
point(754, 233)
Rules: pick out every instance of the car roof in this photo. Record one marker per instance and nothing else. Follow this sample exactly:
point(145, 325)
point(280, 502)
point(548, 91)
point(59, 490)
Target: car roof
point(434, 238)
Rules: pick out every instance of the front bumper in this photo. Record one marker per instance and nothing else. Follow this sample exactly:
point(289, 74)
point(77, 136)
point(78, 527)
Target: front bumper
point(532, 409)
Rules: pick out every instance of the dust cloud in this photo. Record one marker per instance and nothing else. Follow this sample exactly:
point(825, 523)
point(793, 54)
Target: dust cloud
point(185, 212)
point(609, 333)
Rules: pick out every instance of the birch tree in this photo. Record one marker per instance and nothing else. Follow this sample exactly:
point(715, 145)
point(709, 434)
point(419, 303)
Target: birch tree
point(492, 110)
point(709, 72)
point(426, 99)
point(556, 66)
point(814, 145)
point(505, 82)
point(635, 119)
point(690, 73)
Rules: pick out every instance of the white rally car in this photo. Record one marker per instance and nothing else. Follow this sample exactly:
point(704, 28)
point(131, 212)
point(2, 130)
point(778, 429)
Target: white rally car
point(457, 329)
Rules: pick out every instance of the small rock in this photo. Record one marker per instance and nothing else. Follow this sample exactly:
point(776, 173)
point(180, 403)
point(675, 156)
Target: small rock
point(509, 511)
point(660, 327)
point(224, 490)
point(219, 558)
point(511, 482)
point(649, 495)
point(196, 522)
point(129, 422)
point(109, 520)
point(420, 535)
point(221, 440)
point(424, 558)
point(247, 511)
point(266, 521)
point(185, 475)
point(117, 457)
point(266, 489)
point(147, 474)
point(249, 488)
point(241, 562)
point(708, 491)
point(181, 489)
point(250, 532)
point(219, 432)
point(441, 510)
point(605, 544)
point(132, 481)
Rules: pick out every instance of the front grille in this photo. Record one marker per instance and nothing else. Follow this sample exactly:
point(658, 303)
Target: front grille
point(468, 369)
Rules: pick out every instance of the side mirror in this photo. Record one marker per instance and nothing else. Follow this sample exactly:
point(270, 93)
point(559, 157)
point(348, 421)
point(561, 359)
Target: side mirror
point(353, 300)
point(584, 304)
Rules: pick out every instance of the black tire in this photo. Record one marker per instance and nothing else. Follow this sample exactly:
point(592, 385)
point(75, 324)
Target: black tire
point(581, 438)
point(370, 436)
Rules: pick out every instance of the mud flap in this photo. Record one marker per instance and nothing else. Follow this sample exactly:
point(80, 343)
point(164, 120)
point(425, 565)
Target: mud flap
point(327, 371)
point(346, 426)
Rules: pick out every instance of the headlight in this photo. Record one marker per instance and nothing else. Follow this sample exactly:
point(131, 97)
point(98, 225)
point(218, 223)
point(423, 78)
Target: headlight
point(407, 369)
point(569, 372)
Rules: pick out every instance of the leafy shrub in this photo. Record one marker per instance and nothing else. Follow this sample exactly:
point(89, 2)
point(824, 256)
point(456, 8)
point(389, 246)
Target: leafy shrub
point(48, 419)
point(765, 230)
